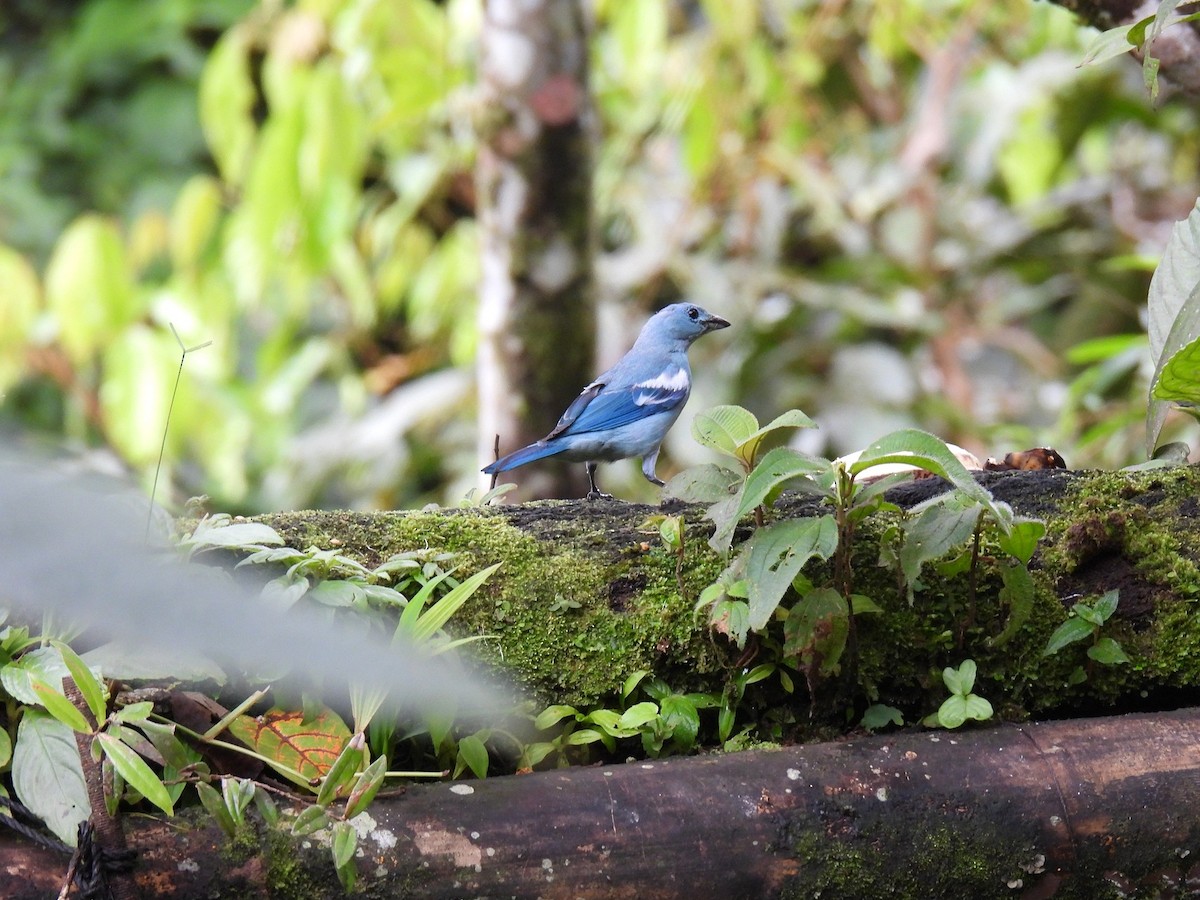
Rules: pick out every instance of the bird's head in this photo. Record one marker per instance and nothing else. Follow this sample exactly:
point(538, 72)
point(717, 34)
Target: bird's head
point(683, 322)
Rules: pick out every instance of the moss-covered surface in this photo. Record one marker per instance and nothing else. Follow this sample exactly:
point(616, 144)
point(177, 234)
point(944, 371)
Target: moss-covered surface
point(586, 596)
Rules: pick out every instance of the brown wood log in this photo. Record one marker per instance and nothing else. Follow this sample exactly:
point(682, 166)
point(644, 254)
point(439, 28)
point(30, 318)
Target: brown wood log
point(1082, 808)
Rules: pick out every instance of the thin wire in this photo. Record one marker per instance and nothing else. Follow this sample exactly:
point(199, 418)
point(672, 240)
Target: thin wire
point(162, 449)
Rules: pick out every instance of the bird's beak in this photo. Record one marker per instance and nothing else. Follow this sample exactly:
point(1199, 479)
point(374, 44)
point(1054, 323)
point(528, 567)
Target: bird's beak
point(713, 323)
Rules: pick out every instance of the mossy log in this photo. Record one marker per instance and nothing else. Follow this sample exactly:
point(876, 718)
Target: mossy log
point(1087, 808)
point(588, 594)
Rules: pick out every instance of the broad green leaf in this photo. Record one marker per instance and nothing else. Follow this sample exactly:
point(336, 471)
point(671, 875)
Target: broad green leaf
point(1088, 613)
point(472, 753)
point(925, 451)
point(89, 287)
point(931, 535)
point(962, 679)
point(632, 682)
point(552, 715)
point(1173, 309)
point(725, 518)
point(302, 750)
point(6, 748)
point(60, 707)
point(706, 483)
point(681, 715)
point(213, 533)
point(136, 772)
point(953, 712)
point(89, 685)
point(1108, 652)
point(1179, 380)
point(879, 715)
point(1017, 593)
point(775, 554)
point(1022, 540)
point(1107, 605)
point(723, 428)
point(778, 467)
point(47, 775)
point(1070, 631)
point(816, 629)
point(638, 715)
point(44, 664)
point(978, 708)
point(747, 449)
point(227, 98)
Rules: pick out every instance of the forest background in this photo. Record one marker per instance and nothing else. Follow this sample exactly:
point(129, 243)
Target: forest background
point(914, 213)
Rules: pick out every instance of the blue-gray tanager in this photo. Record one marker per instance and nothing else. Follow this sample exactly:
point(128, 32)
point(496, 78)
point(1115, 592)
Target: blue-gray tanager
point(628, 410)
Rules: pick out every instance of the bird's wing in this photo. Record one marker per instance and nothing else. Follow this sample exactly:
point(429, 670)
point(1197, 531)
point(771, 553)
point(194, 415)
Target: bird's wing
point(603, 406)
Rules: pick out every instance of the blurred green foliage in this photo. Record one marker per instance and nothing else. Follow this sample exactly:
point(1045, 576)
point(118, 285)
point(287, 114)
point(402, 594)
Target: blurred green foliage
point(912, 211)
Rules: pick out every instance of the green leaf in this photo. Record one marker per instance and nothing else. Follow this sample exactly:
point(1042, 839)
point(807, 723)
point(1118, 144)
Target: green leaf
point(681, 715)
point(816, 629)
point(214, 533)
point(977, 708)
point(214, 804)
point(931, 535)
point(1179, 380)
point(1068, 632)
point(345, 842)
point(367, 786)
point(47, 775)
point(310, 819)
point(747, 449)
point(879, 716)
point(723, 428)
point(473, 753)
point(1109, 44)
point(61, 708)
point(638, 715)
point(89, 287)
point(552, 715)
point(953, 712)
point(913, 447)
point(632, 682)
point(1173, 309)
point(962, 679)
point(344, 769)
point(6, 748)
point(1106, 605)
point(774, 556)
point(1022, 540)
point(1017, 593)
point(1088, 614)
point(1108, 652)
point(779, 466)
point(437, 615)
point(227, 98)
point(135, 771)
point(707, 483)
point(89, 685)
point(45, 664)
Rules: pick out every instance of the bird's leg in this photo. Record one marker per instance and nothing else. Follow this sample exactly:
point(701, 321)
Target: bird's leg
point(648, 463)
point(594, 493)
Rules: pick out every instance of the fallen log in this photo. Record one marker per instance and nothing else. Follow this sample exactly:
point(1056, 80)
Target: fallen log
point(1079, 808)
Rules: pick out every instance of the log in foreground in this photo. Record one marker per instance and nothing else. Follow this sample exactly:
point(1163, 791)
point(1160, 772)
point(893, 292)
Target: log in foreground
point(1081, 808)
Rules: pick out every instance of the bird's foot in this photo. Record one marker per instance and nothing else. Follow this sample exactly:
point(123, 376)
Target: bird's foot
point(599, 495)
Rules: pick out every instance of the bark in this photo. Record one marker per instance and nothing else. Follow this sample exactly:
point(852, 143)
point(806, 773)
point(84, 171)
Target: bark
point(536, 313)
point(1177, 48)
point(1086, 808)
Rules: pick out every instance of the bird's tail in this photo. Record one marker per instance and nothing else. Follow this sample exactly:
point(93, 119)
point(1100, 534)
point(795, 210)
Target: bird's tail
point(519, 457)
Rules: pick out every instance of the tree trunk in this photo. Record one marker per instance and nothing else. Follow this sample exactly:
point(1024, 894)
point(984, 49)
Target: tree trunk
point(1085, 808)
point(587, 594)
point(536, 311)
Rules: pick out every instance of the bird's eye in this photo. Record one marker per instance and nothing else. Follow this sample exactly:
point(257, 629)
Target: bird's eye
point(693, 313)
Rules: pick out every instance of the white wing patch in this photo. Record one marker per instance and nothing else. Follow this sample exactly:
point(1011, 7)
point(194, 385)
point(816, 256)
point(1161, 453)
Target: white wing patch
point(661, 389)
